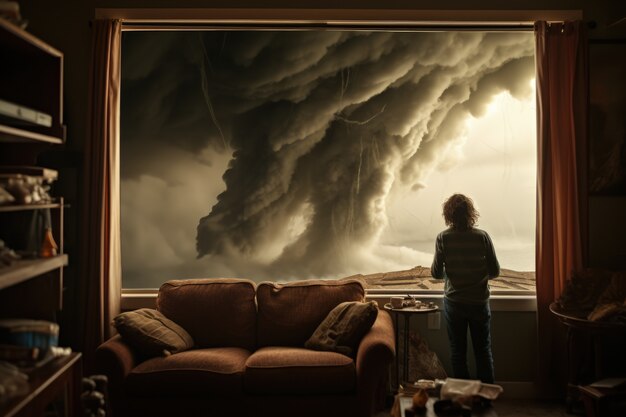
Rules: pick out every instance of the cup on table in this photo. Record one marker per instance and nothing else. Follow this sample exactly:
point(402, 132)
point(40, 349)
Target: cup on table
point(396, 302)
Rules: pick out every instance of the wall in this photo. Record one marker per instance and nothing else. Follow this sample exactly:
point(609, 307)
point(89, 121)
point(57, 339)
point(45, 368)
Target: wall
point(606, 222)
point(513, 327)
point(65, 25)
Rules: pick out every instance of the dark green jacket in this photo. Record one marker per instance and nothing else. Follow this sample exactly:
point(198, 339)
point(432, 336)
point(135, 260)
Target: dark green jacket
point(467, 261)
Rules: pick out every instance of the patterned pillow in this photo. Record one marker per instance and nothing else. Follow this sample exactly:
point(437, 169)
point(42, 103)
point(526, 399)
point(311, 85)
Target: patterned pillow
point(151, 333)
point(344, 327)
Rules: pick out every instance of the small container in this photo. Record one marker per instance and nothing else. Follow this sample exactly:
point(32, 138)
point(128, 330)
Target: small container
point(396, 302)
point(29, 333)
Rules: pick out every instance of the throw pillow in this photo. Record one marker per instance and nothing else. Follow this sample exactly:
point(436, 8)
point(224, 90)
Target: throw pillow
point(344, 327)
point(151, 333)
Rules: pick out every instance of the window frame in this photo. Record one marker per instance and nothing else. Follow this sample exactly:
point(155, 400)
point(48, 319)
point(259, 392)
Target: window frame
point(355, 19)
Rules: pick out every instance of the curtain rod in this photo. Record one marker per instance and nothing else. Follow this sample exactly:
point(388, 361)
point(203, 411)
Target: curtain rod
point(335, 25)
point(384, 15)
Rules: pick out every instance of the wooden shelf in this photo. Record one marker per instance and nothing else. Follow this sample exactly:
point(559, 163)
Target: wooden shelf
point(60, 377)
point(24, 270)
point(21, 207)
point(10, 134)
point(22, 40)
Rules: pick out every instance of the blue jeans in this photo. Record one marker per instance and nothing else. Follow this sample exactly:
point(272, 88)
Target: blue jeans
point(477, 317)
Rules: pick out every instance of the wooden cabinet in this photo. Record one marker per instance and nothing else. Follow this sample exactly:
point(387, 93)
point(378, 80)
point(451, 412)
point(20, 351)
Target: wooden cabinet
point(31, 122)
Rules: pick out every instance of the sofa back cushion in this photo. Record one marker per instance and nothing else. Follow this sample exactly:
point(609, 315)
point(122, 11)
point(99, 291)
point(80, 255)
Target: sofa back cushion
point(289, 313)
point(218, 312)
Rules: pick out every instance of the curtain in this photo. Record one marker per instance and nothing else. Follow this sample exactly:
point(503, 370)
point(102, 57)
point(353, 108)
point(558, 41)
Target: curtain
point(561, 59)
point(101, 271)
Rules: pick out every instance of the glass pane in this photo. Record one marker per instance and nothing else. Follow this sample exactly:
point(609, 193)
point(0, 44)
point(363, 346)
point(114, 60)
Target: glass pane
point(288, 155)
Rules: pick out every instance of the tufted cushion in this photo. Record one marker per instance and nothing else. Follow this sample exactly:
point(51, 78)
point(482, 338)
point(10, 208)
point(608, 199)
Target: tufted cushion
point(344, 327)
point(216, 312)
point(151, 333)
point(212, 371)
point(289, 313)
point(288, 370)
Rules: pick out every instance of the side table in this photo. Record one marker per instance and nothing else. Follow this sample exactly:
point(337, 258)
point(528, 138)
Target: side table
point(59, 376)
point(603, 402)
point(580, 355)
point(406, 312)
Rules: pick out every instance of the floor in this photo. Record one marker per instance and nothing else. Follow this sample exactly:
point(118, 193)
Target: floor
point(524, 408)
point(530, 408)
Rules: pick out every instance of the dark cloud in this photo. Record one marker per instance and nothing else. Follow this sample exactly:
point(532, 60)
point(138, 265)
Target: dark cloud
point(321, 125)
point(162, 101)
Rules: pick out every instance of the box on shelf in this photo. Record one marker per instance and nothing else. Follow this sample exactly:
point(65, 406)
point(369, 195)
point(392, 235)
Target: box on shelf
point(29, 333)
point(17, 114)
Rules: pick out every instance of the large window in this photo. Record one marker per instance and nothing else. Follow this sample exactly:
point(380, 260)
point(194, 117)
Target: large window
point(297, 154)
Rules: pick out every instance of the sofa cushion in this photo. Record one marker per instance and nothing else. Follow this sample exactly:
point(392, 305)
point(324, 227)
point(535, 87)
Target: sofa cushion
point(208, 371)
point(289, 370)
point(289, 313)
point(151, 333)
point(344, 327)
point(216, 312)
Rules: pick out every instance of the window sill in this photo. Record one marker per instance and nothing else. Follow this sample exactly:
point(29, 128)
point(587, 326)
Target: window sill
point(146, 298)
point(506, 302)
point(134, 299)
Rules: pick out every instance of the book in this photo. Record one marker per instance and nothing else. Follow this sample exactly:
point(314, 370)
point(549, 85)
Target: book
point(28, 358)
point(15, 353)
point(15, 113)
point(609, 383)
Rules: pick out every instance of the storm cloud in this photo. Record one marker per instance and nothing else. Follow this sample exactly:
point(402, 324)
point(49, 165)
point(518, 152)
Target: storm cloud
point(318, 128)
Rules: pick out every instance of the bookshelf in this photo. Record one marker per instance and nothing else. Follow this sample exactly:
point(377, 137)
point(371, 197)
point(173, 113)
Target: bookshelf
point(31, 123)
point(31, 76)
point(61, 377)
point(31, 82)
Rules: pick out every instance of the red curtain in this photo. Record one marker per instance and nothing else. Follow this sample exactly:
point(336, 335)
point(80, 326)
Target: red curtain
point(99, 285)
point(561, 56)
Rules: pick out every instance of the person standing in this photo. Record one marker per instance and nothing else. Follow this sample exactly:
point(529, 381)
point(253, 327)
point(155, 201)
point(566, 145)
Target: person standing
point(465, 258)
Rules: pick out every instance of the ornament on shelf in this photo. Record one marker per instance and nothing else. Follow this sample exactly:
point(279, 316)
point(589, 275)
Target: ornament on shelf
point(49, 247)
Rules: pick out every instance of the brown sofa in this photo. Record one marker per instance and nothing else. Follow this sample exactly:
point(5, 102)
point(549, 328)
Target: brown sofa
point(249, 357)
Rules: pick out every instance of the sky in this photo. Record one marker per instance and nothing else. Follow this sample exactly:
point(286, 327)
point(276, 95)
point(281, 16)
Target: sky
point(303, 154)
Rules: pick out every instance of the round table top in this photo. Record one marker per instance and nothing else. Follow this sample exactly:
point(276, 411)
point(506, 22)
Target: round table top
point(411, 310)
point(579, 319)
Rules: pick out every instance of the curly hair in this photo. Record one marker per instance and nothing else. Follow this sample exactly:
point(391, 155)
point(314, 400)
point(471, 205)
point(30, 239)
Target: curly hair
point(459, 212)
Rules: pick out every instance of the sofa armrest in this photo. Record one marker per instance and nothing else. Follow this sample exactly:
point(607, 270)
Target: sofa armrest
point(376, 352)
point(115, 359)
